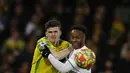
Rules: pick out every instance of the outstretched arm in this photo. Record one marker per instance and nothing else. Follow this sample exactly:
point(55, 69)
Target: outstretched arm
point(62, 67)
point(61, 54)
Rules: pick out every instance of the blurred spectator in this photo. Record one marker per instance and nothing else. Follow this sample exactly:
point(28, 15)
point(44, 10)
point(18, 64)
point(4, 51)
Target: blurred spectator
point(18, 14)
point(4, 10)
point(18, 9)
point(97, 37)
point(97, 33)
point(108, 66)
point(126, 47)
point(79, 19)
point(7, 64)
point(59, 8)
point(82, 11)
point(99, 14)
point(123, 65)
point(13, 44)
point(117, 30)
point(98, 18)
point(32, 28)
point(24, 68)
point(25, 57)
point(82, 7)
point(38, 11)
point(48, 8)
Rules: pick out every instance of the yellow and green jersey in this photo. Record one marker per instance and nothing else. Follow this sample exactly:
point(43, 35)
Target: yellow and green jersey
point(41, 64)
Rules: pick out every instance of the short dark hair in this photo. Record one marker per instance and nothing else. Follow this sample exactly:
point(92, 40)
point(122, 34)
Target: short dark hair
point(80, 28)
point(52, 23)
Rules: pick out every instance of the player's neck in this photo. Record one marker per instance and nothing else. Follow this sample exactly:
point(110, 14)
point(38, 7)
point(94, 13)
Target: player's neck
point(55, 43)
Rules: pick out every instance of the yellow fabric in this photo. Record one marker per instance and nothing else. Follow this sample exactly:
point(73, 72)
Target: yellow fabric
point(119, 26)
point(10, 44)
point(44, 64)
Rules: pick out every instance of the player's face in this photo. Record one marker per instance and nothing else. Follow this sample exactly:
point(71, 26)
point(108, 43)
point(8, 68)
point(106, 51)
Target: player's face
point(77, 38)
point(53, 34)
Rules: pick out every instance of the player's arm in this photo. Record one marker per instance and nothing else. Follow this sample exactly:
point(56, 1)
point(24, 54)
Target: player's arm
point(44, 50)
point(61, 54)
point(62, 67)
point(67, 66)
point(58, 54)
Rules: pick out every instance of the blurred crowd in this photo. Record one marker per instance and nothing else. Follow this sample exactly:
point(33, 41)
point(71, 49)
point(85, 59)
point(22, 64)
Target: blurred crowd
point(107, 21)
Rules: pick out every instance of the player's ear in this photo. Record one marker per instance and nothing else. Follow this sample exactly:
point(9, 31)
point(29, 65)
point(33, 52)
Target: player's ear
point(60, 33)
point(46, 34)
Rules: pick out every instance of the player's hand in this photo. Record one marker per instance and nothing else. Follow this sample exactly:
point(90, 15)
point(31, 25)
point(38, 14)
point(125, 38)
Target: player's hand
point(45, 51)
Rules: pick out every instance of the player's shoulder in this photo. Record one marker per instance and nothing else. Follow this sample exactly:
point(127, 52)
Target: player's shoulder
point(42, 39)
point(84, 47)
point(63, 42)
point(41, 42)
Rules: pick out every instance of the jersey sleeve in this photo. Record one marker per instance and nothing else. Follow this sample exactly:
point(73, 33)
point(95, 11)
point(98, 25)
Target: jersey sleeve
point(84, 70)
point(62, 67)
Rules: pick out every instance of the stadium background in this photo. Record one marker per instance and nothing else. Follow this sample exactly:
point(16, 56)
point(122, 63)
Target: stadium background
point(107, 21)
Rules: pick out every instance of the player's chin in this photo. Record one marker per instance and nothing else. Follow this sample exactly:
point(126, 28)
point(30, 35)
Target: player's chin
point(75, 46)
point(53, 40)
